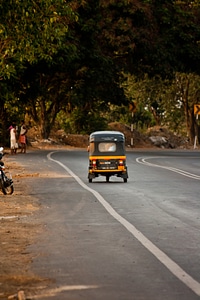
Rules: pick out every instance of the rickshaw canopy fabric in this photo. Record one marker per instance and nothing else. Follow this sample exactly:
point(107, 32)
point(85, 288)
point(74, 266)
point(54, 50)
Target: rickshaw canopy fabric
point(110, 142)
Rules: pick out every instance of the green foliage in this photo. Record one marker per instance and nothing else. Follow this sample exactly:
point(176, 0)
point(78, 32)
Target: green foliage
point(68, 56)
point(31, 31)
point(181, 96)
point(153, 37)
point(83, 123)
point(165, 103)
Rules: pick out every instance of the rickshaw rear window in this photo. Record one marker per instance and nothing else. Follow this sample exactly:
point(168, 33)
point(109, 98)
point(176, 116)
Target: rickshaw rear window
point(107, 147)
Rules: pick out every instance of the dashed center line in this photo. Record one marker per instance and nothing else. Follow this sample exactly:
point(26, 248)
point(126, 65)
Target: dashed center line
point(143, 161)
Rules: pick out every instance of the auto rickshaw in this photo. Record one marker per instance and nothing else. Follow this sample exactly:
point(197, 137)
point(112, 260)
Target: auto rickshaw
point(107, 155)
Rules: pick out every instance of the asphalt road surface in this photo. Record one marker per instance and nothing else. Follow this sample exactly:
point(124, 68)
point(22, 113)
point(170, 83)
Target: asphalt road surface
point(138, 240)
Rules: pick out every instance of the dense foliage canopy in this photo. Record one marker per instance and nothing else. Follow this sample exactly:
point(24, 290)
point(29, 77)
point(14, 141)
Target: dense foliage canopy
point(71, 58)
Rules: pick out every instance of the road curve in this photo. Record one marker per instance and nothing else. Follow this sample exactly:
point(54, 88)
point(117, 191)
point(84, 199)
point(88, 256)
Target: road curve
point(135, 240)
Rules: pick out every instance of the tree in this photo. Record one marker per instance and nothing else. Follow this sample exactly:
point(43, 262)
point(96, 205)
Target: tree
point(153, 37)
point(86, 45)
point(187, 93)
point(45, 90)
point(33, 33)
point(87, 79)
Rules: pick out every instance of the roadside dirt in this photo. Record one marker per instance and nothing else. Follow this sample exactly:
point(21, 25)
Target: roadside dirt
point(17, 232)
point(140, 140)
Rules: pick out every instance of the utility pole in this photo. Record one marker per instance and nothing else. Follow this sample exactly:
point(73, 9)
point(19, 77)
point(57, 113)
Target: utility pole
point(132, 115)
point(132, 108)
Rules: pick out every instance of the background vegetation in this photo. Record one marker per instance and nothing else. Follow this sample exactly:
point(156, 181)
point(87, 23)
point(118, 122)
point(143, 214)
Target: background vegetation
point(81, 64)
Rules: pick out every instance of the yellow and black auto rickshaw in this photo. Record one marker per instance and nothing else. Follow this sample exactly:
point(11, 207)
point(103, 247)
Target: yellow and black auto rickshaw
point(107, 155)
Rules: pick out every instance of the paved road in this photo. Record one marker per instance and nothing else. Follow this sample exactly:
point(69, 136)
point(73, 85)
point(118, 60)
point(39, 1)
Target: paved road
point(138, 240)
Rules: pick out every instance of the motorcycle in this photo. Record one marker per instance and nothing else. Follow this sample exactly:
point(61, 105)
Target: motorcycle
point(6, 182)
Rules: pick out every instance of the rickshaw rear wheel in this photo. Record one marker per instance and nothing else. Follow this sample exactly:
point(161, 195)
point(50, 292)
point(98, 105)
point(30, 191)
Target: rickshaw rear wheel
point(107, 178)
point(90, 180)
point(125, 179)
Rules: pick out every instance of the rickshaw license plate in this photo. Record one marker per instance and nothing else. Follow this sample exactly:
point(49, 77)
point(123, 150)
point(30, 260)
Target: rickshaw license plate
point(107, 168)
point(106, 165)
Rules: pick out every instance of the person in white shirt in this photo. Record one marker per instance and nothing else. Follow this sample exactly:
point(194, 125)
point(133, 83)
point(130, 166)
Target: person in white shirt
point(13, 140)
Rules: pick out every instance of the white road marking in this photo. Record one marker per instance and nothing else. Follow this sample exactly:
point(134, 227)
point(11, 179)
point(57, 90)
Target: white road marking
point(54, 292)
point(172, 266)
point(143, 161)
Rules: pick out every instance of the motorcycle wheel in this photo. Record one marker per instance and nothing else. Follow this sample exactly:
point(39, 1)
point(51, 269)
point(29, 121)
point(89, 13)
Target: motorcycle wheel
point(7, 190)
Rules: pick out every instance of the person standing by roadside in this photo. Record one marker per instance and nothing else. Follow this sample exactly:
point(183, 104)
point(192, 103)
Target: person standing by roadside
point(22, 137)
point(13, 139)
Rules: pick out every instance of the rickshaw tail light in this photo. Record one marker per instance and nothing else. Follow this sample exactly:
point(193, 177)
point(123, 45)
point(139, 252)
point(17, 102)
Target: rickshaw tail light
point(121, 163)
point(94, 163)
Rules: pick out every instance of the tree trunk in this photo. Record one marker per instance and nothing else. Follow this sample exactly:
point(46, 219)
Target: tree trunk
point(48, 116)
point(156, 117)
point(4, 133)
point(189, 113)
point(44, 129)
point(44, 121)
point(190, 124)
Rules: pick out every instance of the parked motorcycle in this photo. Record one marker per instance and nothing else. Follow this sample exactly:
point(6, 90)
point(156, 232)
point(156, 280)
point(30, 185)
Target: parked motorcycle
point(6, 182)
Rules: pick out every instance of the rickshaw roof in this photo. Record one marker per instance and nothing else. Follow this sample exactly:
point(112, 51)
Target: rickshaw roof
point(107, 135)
